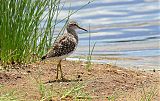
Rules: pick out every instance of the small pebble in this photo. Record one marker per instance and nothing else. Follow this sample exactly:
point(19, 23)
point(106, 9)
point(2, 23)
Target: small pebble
point(28, 71)
point(78, 76)
point(154, 70)
point(89, 73)
point(64, 65)
point(18, 76)
point(83, 64)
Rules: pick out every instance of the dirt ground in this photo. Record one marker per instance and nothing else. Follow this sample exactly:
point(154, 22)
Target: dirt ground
point(101, 83)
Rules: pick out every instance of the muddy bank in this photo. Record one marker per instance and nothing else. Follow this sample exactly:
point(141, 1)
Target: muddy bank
point(101, 82)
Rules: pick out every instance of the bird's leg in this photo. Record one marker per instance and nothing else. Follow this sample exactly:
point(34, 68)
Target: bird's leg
point(61, 70)
point(58, 65)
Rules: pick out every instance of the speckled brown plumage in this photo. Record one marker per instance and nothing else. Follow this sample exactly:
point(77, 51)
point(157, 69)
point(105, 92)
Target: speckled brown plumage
point(64, 45)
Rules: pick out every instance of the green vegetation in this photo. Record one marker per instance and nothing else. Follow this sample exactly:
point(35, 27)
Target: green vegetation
point(89, 57)
point(114, 96)
point(27, 28)
point(46, 94)
point(76, 92)
point(8, 96)
point(23, 35)
point(149, 95)
point(49, 92)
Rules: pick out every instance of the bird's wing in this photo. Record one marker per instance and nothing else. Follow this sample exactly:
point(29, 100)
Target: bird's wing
point(63, 46)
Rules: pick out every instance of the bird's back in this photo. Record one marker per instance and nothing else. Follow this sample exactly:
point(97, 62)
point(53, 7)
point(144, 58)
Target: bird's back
point(63, 46)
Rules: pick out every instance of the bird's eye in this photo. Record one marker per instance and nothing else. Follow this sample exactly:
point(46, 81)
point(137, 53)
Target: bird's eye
point(73, 24)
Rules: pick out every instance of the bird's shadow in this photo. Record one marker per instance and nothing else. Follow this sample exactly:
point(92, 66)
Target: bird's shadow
point(63, 80)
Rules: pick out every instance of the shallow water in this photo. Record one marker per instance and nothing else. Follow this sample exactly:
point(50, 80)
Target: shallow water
point(123, 28)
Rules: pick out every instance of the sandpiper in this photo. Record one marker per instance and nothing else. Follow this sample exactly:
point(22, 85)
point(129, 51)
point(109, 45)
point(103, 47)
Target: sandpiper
point(64, 46)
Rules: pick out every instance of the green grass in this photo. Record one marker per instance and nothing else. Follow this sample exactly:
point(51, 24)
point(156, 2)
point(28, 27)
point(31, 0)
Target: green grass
point(90, 52)
point(76, 92)
point(46, 93)
point(21, 36)
point(149, 95)
point(50, 92)
point(9, 95)
point(25, 37)
point(114, 96)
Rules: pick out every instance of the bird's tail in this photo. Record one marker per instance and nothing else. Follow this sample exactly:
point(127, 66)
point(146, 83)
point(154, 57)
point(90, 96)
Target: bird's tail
point(43, 57)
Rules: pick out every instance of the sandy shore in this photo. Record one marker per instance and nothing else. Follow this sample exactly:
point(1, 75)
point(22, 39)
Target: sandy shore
point(100, 82)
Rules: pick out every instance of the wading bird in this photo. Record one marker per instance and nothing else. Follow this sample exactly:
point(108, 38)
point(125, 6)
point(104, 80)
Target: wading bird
point(64, 46)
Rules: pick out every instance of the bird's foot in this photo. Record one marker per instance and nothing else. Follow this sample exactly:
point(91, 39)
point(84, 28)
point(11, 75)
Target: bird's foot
point(59, 80)
point(65, 80)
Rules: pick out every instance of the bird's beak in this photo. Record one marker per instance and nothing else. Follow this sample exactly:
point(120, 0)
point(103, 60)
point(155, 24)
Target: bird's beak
point(82, 28)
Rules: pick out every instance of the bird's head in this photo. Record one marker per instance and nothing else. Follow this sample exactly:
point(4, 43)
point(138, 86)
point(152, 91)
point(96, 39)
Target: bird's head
point(74, 25)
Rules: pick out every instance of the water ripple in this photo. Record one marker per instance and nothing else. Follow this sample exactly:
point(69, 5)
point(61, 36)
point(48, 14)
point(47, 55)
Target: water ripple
point(118, 25)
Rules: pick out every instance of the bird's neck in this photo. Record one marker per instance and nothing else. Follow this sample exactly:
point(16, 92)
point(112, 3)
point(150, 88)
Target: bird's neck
point(72, 32)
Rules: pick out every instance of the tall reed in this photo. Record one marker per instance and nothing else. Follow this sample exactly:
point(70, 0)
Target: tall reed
point(90, 52)
point(21, 34)
point(27, 28)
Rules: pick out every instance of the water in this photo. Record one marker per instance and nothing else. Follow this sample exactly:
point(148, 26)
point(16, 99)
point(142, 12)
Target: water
point(120, 28)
